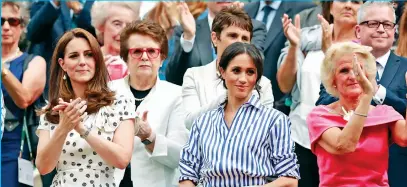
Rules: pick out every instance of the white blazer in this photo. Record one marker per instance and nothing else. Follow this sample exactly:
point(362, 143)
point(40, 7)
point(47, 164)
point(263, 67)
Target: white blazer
point(203, 90)
point(166, 117)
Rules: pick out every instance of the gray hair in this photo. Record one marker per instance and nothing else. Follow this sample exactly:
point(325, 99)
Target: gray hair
point(22, 8)
point(100, 9)
point(370, 4)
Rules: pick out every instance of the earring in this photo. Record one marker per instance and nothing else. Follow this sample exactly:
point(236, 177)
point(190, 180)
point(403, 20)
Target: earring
point(64, 77)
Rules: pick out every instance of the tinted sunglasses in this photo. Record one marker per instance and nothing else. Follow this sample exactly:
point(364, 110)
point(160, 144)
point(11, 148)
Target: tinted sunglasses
point(11, 21)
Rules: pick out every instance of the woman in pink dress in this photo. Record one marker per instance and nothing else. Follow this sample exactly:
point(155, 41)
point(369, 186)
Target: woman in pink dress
point(351, 137)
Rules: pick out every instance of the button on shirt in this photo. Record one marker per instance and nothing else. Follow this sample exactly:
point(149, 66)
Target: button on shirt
point(260, 15)
point(381, 92)
point(256, 146)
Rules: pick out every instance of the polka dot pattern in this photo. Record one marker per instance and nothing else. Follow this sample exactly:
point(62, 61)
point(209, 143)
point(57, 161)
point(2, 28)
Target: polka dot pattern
point(79, 164)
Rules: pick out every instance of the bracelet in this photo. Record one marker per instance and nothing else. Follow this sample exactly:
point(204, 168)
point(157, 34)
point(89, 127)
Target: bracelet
point(362, 115)
point(86, 134)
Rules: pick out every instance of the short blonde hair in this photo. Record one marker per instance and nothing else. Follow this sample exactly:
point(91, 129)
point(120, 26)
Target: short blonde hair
point(22, 7)
point(338, 50)
point(100, 9)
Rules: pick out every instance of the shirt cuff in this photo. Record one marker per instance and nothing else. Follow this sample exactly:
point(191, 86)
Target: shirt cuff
point(54, 5)
point(187, 45)
point(380, 95)
point(160, 146)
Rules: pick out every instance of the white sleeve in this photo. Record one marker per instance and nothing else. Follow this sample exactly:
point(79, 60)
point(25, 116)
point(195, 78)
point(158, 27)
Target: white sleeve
point(187, 45)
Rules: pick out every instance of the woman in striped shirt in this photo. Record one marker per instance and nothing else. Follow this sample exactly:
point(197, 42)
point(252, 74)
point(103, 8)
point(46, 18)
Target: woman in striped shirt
point(241, 143)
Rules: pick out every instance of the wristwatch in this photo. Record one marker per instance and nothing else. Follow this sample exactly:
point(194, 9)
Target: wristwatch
point(149, 140)
point(86, 134)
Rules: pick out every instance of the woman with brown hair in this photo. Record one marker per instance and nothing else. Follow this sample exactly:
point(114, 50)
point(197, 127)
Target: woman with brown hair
point(402, 40)
point(85, 131)
point(160, 130)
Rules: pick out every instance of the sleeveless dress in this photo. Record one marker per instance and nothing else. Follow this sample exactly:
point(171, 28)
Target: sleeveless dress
point(11, 140)
point(79, 164)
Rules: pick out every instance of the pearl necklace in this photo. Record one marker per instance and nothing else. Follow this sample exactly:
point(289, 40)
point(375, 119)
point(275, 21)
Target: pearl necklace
point(347, 114)
point(137, 99)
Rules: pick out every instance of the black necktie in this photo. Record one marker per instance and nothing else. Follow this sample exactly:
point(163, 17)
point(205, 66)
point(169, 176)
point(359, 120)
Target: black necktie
point(267, 9)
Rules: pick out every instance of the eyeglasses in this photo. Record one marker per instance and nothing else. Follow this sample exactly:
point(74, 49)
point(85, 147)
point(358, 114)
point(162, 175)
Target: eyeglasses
point(12, 21)
point(376, 24)
point(137, 53)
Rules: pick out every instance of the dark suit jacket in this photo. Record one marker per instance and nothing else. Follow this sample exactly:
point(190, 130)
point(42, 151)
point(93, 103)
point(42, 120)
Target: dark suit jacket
point(393, 79)
point(275, 42)
point(48, 24)
point(201, 53)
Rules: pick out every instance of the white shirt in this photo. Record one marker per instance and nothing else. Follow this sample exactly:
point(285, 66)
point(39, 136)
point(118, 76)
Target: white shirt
point(309, 94)
point(260, 13)
point(145, 7)
point(381, 92)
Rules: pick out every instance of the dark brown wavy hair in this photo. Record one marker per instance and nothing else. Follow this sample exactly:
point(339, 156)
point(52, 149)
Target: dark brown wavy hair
point(97, 93)
point(402, 40)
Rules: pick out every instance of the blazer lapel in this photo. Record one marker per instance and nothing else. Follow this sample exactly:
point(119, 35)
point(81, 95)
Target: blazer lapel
point(209, 78)
point(276, 26)
point(390, 70)
point(204, 41)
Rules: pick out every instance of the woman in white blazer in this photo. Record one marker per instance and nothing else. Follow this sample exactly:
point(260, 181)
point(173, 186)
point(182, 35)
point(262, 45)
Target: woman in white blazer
point(202, 88)
point(160, 130)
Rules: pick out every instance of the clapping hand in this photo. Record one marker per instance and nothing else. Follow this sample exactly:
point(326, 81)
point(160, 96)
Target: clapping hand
point(142, 127)
point(293, 33)
point(327, 31)
point(187, 21)
point(363, 81)
point(70, 114)
point(75, 6)
point(238, 4)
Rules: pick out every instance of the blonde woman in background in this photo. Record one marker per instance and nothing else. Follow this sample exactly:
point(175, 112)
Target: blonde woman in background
point(402, 40)
point(109, 18)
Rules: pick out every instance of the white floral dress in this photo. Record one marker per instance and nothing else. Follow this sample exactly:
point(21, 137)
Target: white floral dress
point(79, 165)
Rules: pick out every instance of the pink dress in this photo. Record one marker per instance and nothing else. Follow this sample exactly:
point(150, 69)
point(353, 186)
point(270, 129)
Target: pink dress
point(117, 69)
point(368, 165)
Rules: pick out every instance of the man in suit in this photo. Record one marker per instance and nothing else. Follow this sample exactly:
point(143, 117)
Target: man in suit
point(270, 13)
point(193, 45)
point(202, 88)
point(376, 29)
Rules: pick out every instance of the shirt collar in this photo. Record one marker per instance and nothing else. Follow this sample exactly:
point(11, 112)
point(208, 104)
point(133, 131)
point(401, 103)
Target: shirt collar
point(253, 101)
point(210, 21)
point(275, 5)
point(383, 59)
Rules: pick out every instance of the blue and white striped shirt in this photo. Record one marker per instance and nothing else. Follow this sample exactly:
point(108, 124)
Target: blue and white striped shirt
point(257, 145)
